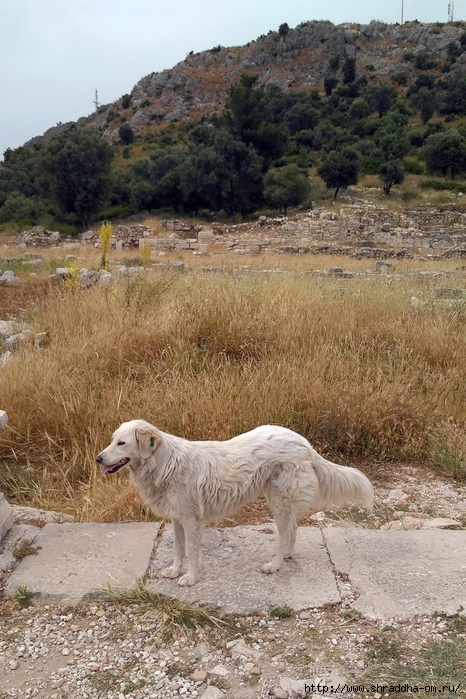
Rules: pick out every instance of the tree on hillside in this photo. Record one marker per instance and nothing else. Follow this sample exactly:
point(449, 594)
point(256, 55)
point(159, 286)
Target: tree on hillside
point(380, 97)
point(18, 172)
point(246, 117)
point(426, 101)
point(330, 83)
point(391, 173)
point(285, 186)
point(445, 152)
point(359, 109)
point(349, 70)
point(393, 142)
point(216, 171)
point(74, 169)
point(126, 134)
point(340, 169)
point(453, 100)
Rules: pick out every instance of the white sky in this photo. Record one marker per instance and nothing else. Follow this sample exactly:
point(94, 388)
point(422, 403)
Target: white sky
point(54, 54)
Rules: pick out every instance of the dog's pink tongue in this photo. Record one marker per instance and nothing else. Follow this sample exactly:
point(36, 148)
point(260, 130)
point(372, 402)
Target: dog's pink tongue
point(106, 469)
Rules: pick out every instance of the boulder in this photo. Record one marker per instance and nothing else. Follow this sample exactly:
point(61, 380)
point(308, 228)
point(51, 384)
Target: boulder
point(9, 277)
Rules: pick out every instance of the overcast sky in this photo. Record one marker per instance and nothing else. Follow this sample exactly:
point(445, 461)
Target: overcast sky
point(54, 54)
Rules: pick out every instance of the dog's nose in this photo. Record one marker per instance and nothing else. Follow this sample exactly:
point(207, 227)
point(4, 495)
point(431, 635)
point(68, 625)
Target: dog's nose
point(98, 458)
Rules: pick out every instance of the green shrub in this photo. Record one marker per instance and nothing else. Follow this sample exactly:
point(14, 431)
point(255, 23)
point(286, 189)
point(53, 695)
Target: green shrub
point(413, 168)
point(126, 101)
point(370, 164)
point(117, 211)
point(423, 62)
point(126, 134)
point(401, 78)
point(443, 185)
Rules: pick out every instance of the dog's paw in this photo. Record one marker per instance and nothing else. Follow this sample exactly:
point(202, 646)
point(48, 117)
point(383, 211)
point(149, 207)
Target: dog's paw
point(187, 580)
point(270, 567)
point(170, 572)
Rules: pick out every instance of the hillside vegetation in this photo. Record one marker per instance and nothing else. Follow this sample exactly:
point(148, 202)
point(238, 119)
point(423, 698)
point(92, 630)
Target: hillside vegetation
point(229, 131)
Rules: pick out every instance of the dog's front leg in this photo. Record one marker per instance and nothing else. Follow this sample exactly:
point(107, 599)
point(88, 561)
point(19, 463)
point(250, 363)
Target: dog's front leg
point(178, 550)
point(193, 532)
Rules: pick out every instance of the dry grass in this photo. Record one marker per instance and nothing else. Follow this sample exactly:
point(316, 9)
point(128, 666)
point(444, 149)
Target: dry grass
point(172, 615)
point(349, 364)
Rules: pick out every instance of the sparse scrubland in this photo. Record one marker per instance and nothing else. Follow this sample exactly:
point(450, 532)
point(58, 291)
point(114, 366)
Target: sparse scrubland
point(364, 374)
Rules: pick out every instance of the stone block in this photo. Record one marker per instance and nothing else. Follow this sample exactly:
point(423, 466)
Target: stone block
point(3, 419)
point(6, 516)
point(78, 561)
point(304, 581)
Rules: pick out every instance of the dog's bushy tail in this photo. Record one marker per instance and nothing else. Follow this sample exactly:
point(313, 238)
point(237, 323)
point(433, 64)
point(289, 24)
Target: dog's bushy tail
point(341, 484)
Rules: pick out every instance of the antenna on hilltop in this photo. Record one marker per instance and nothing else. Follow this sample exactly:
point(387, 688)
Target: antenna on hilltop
point(451, 7)
point(96, 99)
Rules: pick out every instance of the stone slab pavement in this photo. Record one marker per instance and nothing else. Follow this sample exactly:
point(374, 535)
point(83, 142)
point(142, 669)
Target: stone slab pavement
point(401, 573)
point(77, 561)
point(232, 580)
point(388, 574)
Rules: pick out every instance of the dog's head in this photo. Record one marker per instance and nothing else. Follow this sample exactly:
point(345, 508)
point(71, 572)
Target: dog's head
point(132, 443)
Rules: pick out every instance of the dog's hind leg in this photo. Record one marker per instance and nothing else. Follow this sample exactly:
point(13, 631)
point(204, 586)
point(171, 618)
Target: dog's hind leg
point(286, 525)
point(193, 532)
point(292, 538)
point(179, 546)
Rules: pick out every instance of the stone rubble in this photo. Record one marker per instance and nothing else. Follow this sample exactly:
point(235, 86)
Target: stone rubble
point(359, 230)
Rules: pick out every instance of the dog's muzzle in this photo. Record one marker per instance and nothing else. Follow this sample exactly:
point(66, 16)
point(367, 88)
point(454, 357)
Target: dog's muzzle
point(112, 468)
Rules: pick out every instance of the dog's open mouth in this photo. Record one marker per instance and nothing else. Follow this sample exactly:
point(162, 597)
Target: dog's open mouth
point(113, 468)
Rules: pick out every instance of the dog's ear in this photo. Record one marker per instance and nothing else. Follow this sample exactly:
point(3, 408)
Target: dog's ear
point(148, 439)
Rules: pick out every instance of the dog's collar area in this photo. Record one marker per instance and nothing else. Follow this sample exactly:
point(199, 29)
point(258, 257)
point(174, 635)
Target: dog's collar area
point(113, 468)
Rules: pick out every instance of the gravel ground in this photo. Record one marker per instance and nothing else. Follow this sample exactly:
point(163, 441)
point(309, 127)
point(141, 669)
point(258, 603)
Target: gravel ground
point(113, 651)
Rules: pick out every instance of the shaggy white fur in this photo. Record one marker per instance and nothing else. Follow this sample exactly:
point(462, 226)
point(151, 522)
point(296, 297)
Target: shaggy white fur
point(195, 483)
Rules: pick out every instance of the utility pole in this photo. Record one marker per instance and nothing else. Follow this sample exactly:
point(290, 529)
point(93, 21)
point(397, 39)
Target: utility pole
point(451, 7)
point(401, 11)
point(96, 101)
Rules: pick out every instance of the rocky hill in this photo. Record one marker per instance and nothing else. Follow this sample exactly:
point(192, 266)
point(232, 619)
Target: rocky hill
point(295, 59)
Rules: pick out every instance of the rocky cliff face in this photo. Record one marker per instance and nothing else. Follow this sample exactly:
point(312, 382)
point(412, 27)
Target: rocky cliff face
point(297, 59)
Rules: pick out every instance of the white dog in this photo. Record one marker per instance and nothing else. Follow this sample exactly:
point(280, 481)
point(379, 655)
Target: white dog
point(195, 483)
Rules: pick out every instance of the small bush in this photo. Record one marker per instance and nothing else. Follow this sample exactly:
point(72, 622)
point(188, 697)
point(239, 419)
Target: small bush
point(412, 167)
point(409, 195)
point(25, 548)
point(126, 101)
point(281, 612)
point(401, 78)
point(423, 62)
point(23, 596)
point(126, 134)
point(443, 185)
point(117, 211)
point(334, 63)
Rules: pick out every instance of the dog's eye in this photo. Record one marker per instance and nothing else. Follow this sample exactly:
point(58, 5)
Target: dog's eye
point(120, 444)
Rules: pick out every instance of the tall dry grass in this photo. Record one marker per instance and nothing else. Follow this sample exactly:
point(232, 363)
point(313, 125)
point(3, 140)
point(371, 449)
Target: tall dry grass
point(349, 364)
